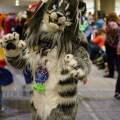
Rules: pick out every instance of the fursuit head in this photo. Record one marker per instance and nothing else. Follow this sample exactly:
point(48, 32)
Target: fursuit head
point(56, 52)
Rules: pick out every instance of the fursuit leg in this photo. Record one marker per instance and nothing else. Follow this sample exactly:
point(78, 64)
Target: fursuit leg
point(34, 113)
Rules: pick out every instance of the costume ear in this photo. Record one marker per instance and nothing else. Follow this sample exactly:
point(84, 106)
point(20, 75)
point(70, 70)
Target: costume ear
point(40, 5)
point(82, 7)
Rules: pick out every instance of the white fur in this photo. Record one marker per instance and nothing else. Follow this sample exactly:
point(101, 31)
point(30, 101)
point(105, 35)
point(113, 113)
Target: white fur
point(21, 44)
point(73, 73)
point(69, 59)
point(53, 16)
point(53, 26)
point(80, 72)
point(44, 1)
point(62, 20)
point(48, 26)
point(61, 1)
point(50, 99)
point(68, 23)
point(72, 63)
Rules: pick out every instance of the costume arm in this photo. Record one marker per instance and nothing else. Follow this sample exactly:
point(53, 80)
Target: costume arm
point(82, 57)
point(79, 61)
point(15, 50)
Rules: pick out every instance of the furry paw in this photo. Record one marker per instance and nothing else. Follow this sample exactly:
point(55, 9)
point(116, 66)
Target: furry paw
point(80, 73)
point(69, 59)
point(12, 45)
point(12, 42)
point(54, 26)
point(73, 73)
point(77, 73)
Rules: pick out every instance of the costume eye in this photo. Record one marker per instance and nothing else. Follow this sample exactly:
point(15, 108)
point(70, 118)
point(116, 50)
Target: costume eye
point(56, 5)
point(14, 39)
point(67, 12)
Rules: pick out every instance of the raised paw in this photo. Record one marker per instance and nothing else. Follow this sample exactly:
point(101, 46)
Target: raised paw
point(12, 42)
point(80, 73)
point(69, 59)
point(54, 26)
point(73, 73)
point(6, 41)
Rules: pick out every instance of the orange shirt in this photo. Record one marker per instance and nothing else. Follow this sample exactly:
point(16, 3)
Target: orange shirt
point(1, 20)
point(99, 40)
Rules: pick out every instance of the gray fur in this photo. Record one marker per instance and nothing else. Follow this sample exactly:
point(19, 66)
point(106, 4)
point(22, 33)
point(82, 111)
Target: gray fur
point(68, 41)
point(58, 113)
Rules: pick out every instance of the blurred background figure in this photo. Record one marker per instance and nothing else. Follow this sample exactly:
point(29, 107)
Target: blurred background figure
point(97, 44)
point(90, 18)
point(117, 87)
point(111, 43)
point(2, 15)
point(21, 27)
point(10, 23)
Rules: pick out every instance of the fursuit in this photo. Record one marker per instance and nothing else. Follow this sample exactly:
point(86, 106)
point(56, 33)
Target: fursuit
point(56, 52)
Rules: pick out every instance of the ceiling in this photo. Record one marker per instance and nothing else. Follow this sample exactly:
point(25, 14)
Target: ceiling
point(22, 2)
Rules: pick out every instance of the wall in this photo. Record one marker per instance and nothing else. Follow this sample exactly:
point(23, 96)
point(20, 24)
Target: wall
point(117, 7)
point(90, 7)
point(8, 8)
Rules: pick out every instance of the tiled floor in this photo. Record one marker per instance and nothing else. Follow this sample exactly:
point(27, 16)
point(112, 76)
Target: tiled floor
point(96, 100)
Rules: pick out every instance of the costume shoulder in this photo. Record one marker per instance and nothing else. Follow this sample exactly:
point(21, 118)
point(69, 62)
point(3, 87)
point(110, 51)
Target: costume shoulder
point(82, 40)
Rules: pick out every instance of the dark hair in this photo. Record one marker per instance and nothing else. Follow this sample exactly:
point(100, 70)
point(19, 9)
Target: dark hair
point(113, 17)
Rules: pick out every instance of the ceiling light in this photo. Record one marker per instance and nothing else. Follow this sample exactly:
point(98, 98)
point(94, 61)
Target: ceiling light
point(17, 3)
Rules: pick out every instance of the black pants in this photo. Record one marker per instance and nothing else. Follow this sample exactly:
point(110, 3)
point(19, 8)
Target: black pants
point(111, 58)
point(117, 89)
point(93, 51)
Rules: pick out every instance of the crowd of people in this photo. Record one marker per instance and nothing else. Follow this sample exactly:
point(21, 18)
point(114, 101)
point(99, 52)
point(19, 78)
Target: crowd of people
point(103, 37)
point(104, 46)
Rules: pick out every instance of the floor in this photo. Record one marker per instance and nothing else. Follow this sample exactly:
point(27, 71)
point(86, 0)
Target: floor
point(96, 101)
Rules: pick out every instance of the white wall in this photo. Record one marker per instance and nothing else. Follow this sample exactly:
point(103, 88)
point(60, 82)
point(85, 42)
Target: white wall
point(8, 8)
point(117, 7)
point(89, 3)
point(90, 6)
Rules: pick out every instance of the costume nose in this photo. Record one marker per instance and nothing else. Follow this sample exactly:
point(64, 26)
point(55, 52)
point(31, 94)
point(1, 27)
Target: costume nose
point(59, 14)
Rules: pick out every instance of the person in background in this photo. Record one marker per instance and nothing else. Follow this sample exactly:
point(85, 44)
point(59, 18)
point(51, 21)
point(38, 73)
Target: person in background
point(20, 28)
point(117, 87)
point(97, 44)
point(90, 18)
point(111, 43)
point(2, 16)
point(10, 23)
point(84, 24)
point(1, 100)
point(2, 63)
